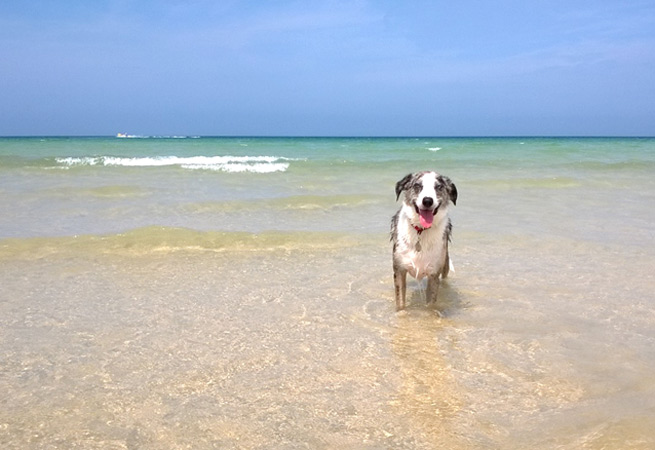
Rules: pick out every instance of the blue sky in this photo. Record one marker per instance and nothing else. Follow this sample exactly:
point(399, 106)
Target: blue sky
point(381, 68)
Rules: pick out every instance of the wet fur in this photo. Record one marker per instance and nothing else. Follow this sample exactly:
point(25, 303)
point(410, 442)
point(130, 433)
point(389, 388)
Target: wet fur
point(423, 254)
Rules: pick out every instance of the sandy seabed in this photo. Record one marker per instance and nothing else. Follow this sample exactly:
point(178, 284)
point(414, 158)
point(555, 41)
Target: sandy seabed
point(301, 348)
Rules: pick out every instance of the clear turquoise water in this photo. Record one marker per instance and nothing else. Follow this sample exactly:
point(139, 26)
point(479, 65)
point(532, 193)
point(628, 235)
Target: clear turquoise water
point(73, 186)
point(237, 292)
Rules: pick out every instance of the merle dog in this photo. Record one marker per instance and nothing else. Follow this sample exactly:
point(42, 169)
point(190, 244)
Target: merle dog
point(420, 232)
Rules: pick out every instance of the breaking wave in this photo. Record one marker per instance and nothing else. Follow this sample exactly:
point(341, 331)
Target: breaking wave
point(256, 164)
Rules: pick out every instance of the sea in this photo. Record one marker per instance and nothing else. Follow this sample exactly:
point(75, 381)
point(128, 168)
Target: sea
point(169, 292)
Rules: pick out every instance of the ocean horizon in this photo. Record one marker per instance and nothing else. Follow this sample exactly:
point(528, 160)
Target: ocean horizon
point(236, 291)
point(336, 136)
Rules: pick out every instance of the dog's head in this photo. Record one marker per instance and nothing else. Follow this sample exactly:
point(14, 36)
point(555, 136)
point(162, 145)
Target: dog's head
point(426, 193)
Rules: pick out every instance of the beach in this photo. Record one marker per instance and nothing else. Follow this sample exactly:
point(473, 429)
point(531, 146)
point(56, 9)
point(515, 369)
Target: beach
point(194, 292)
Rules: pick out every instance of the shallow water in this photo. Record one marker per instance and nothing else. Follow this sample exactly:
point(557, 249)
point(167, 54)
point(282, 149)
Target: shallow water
point(204, 330)
point(108, 344)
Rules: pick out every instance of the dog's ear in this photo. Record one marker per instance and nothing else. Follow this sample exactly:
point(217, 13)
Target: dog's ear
point(402, 185)
point(450, 187)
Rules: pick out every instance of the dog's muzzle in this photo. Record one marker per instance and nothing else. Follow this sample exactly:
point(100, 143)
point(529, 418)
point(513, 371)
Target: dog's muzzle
point(426, 212)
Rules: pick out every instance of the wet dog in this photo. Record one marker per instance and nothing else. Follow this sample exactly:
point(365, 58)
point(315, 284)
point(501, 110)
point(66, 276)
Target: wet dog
point(420, 232)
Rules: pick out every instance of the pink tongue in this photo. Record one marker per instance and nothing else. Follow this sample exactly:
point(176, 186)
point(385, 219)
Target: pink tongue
point(426, 216)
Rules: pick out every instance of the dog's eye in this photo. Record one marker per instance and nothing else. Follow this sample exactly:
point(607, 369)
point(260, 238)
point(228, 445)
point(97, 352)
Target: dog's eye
point(437, 186)
point(417, 188)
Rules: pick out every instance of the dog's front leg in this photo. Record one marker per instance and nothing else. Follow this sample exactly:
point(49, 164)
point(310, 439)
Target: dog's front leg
point(433, 288)
point(400, 285)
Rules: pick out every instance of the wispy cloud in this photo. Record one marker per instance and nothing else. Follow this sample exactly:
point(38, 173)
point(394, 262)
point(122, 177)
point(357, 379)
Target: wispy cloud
point(587, 38)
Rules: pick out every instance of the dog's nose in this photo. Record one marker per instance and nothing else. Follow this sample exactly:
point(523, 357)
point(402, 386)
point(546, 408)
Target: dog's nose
point(427, 202)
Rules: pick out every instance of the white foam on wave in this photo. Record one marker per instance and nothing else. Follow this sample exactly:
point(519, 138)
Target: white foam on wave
point(256, 164)
point(139, 136)
point(434, 149)
point(238, 167)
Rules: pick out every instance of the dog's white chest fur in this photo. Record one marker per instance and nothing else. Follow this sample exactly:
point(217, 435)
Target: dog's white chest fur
point(421, 254)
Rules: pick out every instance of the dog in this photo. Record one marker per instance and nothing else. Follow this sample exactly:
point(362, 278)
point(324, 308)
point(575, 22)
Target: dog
point(420, 232)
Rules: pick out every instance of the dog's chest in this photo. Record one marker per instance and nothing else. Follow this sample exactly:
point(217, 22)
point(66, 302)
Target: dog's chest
point(420, 254)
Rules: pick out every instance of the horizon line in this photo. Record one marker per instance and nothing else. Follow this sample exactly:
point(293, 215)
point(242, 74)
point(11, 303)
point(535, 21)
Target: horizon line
point(282, 136)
